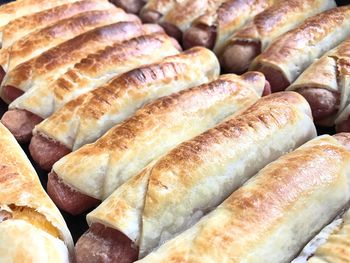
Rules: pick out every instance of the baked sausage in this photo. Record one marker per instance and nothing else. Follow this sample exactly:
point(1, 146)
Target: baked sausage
point(286, 58)
point(105, 244)
point(140, 139)
point(116, 101)
point(20, 123)
point(48, 95)
point(256, 36)
point(325, 84)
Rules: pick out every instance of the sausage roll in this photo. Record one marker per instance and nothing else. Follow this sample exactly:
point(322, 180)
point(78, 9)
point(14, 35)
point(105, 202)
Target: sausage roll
point(286, 58)
point(326, 84)
point(41, 70)
point(31, 227)
point(86, 118)
point(23, 26)
point(272, 216)
point(130, 6)
point(336, 249)
point(20, 8)
point(248, 42)
point(179, 19)
point(196, 176)
point(216, 25)
point(28, 110)
point(150, 133)
point(39, 41)
point(233, 14)
point(154, 10)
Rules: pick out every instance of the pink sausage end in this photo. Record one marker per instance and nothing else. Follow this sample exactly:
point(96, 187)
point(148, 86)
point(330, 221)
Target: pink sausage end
point(20, 123)
point(46, 152)
point(67, 198)
point(105, 244)
point(10, 93)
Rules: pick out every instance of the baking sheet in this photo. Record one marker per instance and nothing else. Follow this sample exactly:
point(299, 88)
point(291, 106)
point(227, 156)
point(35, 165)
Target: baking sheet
point(77, 224)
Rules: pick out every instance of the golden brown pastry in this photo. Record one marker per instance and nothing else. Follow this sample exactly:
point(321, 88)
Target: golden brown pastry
point(336, 248)
point(88, 117)
point(27, 24)
point(39, 76)
point(287, 57)
point(326, 85)
point(214, 27)
point(173, 193)
point(16, 9)
point(128, 147)
point(273, 215)
point(31, 227)
point(43, 69)
point(42, 40)
point(249, 41)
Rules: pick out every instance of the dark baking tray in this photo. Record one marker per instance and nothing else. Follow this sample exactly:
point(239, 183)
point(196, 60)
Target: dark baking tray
point(77, 224)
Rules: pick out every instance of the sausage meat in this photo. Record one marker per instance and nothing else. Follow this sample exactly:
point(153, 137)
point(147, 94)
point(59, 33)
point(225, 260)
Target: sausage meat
point(105, 244)
point(46, 152)
point(67, 198)
point(20, 123)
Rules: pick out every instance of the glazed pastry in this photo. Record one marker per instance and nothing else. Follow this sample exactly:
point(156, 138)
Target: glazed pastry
point(154, 10)
point(287, 57)
point(150, 133)
point(42, 40)
point(88, 117)
point(196, 176)
point(252, 39)
point(41, 70)
point(25, 25)
point(217, 24)
point(31, 227)
point(273, 215)
point(39, 76)
point(336, 249)
point(326, 84)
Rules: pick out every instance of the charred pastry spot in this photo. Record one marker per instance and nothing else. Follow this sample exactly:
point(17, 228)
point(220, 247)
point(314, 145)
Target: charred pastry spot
point(199, 35)
point(67, 198)
point(324, 103)
point(46, 151)
point(237, 57)
point(10, 93)
point(105, 244)
point(150, 16)
point(172, 31)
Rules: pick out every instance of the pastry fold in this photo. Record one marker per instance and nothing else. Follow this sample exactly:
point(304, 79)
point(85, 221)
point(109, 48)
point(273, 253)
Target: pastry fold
point(45, 97)
point(336, 249)
point(25, 25)
point(331, 72)
point(295, 50)
point(273, 215)
point(89, 116)
point(42, 40)
point(232, 15)
point(127, 148)
point(30, 224)
point(160, 7)
point(173, 193)
point(47, 67)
